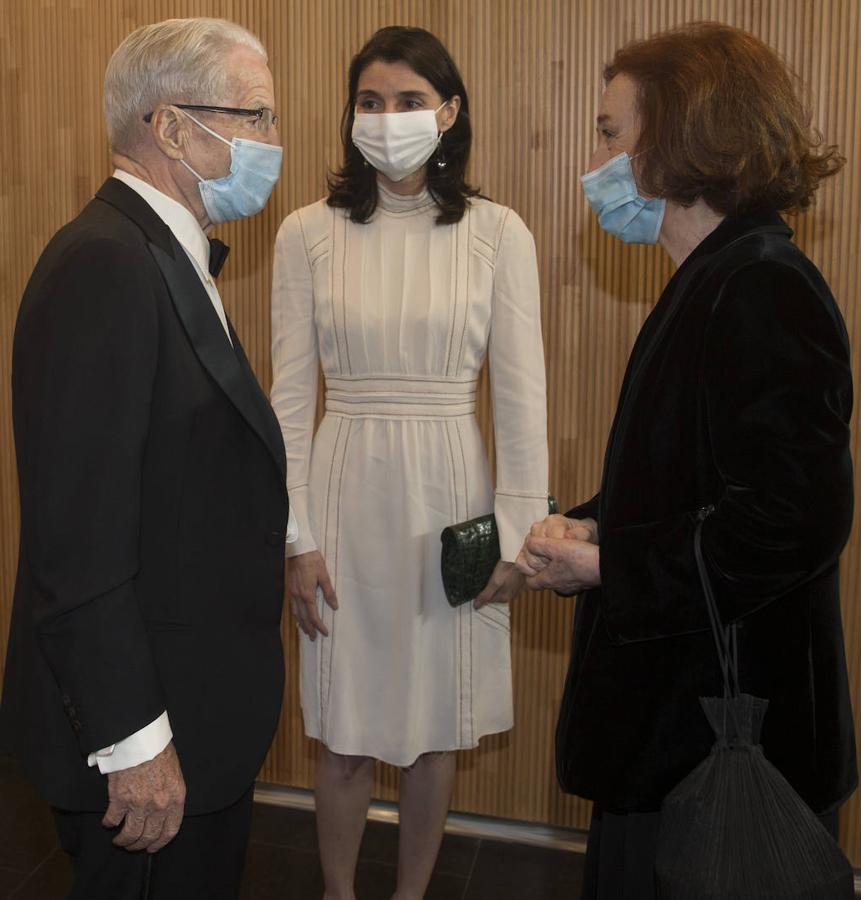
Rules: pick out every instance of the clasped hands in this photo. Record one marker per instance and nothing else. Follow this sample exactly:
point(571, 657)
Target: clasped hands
point(562, 555)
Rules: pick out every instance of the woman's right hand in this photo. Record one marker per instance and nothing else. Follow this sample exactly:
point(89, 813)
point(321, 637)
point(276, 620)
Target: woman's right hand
point(305, 573)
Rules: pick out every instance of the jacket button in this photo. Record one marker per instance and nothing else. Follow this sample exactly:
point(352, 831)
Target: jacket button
point(275, 538)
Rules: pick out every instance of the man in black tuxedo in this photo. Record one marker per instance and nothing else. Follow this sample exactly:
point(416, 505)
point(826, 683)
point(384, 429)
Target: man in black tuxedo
point(145, 668)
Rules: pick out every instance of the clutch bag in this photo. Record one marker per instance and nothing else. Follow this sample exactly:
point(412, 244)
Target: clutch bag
point(470, 552)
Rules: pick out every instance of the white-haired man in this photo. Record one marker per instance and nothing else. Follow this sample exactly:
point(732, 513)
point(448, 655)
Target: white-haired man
point(145, 668)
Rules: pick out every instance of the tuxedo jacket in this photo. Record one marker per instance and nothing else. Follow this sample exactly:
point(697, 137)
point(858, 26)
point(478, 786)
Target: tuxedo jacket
point(737, 396)
point(153, 517)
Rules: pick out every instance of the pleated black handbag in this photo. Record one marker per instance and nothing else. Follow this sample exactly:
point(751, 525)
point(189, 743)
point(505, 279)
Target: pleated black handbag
point(734, 829)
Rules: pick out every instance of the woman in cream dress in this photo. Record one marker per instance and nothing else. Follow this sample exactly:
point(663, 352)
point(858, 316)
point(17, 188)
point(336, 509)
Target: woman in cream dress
point(398, 285)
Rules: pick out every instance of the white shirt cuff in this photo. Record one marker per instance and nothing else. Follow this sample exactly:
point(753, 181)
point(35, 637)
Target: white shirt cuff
point(292, 528)
point(140, 747)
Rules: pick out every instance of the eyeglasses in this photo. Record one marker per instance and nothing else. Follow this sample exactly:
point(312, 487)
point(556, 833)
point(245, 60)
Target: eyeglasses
point(265, 118)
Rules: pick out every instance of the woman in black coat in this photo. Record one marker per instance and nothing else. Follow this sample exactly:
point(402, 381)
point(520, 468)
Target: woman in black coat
point(735, 407)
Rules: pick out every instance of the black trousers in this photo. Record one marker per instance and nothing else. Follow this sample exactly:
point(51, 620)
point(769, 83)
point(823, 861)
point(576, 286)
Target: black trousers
point(203, 862)
point(621, 850)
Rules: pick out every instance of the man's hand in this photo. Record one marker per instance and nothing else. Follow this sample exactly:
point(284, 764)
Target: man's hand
point(305, 573)
point(565, 564)
point(505, 582)
point(150, 798)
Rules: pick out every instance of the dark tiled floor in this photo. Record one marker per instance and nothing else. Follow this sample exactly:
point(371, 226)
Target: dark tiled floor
point(283, 862)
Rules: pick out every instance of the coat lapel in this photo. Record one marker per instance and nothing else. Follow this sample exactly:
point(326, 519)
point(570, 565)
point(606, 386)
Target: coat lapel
point(227, 365)
point(269, 424)
point(212, 347)
point(725, 236)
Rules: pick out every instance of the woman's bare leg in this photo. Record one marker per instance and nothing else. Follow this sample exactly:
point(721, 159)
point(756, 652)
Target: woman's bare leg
point(425, 795)
point(342, 792)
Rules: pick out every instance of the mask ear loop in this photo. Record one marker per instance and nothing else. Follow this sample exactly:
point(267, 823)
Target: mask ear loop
point(206, 128)
point(196, 175)
point(630, 160)
point(215, 134)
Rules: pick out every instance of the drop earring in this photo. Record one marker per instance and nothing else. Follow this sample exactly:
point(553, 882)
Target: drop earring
point(441, 161)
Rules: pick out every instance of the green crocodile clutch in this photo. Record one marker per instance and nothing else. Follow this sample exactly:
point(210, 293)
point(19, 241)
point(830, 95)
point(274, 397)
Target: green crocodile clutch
point(470, 552)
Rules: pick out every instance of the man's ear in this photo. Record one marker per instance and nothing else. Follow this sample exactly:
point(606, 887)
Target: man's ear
point(169, 131)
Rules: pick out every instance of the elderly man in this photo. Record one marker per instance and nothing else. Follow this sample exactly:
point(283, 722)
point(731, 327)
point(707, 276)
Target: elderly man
point(145, 667)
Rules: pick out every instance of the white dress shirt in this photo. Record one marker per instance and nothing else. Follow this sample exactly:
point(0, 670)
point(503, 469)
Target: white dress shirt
point(186, 230)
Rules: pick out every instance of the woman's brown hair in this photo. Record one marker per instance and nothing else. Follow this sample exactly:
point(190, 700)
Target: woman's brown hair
point(721, 120)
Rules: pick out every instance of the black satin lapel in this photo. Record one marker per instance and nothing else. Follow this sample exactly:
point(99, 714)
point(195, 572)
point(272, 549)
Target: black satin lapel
point(210, 342)
point(268, 420)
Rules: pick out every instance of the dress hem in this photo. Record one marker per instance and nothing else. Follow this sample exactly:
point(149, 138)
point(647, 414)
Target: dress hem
point(406, 764)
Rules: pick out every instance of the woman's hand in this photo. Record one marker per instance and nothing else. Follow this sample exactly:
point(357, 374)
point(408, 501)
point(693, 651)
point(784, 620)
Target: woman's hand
point(565, 565)
point(558, 526)
point(305, 574)
point(561, 554)
point(504, 583)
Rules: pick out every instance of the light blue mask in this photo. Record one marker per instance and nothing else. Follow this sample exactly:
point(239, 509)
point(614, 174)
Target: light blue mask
point(612, 192)
point(254, 169)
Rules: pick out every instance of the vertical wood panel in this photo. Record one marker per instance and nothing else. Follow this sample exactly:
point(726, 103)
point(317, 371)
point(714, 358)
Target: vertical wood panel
point(533, 71)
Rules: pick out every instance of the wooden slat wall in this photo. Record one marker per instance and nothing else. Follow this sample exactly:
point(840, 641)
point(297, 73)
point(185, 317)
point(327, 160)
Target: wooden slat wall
point(533, 71)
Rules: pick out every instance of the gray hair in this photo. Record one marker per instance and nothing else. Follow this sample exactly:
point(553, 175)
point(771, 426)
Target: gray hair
point(175, 61)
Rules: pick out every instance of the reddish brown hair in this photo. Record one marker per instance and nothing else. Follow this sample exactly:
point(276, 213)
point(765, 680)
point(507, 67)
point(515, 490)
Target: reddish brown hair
point(721, 120)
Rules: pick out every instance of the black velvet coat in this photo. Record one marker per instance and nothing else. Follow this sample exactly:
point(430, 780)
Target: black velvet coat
point(153, 515)
point(738, 395)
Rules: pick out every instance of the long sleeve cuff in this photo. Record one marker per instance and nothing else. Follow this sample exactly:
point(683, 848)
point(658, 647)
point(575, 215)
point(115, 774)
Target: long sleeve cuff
point(292, 528)
point(140, 747)
point(304, 541)
point(515, 514)
point(587, 510)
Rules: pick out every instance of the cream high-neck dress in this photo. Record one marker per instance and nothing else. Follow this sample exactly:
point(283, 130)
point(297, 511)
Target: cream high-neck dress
point(400, 312)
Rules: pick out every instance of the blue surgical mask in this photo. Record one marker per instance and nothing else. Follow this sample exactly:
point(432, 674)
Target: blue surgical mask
point(254, 169)
point(612, 193)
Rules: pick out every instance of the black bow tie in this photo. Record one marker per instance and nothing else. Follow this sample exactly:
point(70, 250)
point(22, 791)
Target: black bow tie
point(217, 254)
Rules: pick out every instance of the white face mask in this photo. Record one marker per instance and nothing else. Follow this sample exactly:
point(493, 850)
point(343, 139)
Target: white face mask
point(397, 144)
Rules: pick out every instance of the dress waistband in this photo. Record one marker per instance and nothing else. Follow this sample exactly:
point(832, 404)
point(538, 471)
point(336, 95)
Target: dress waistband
point(400, 397)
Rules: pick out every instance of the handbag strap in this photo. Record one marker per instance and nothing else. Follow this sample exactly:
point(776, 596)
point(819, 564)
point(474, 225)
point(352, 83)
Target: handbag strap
point(725, 636)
